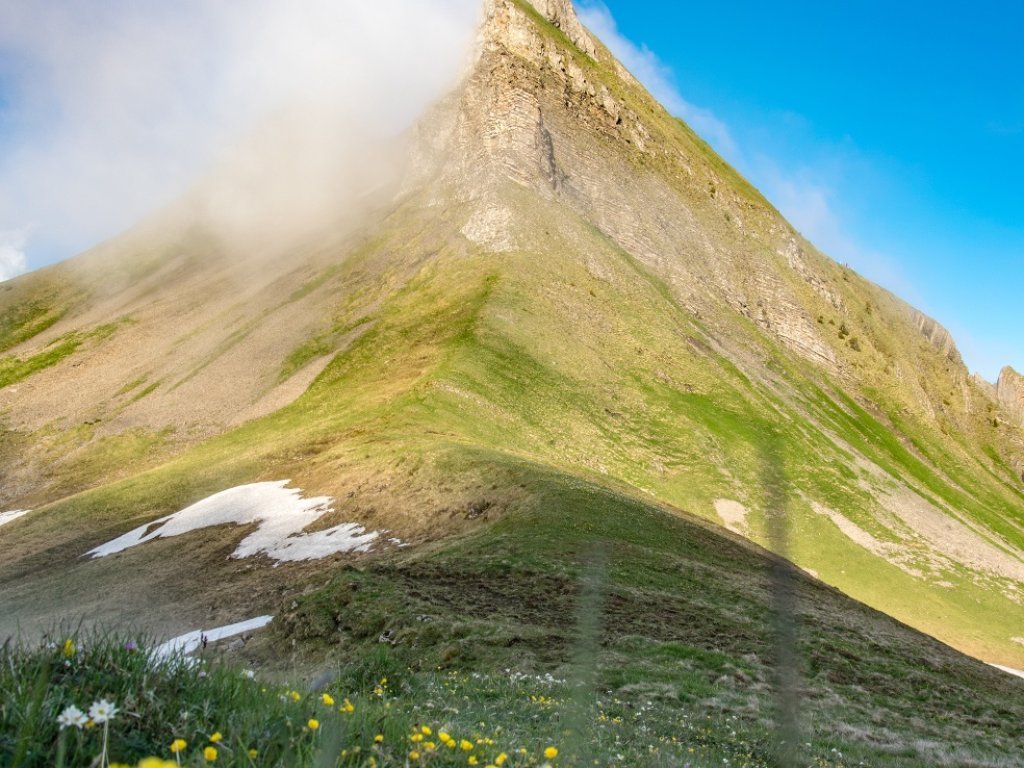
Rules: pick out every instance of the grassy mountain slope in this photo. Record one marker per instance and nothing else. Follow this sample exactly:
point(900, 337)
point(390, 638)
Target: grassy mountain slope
point(571, 281)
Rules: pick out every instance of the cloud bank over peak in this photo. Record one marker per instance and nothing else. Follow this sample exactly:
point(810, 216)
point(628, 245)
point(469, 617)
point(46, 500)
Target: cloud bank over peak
point(111, 108)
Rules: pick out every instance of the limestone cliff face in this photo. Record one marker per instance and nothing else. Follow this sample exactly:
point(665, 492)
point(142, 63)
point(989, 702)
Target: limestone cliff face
point(937, 336)
point(1010, 393)
point(563, 119)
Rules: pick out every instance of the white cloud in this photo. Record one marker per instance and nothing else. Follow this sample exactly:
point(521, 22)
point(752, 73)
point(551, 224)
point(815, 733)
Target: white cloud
point(112, 107)
point(807, 197)
point(12, 254)
point(658, 79)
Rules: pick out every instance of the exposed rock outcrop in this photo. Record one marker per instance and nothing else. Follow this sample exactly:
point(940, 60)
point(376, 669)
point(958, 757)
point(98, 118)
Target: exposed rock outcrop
point(936, 335)
point(1010, 394)
point(563, 15)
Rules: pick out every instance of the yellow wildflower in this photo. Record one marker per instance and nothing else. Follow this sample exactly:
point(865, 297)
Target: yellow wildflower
point(551, 753)
point(69, 648)
point(500, 759)
point(178, 745)
point(416, 738)
point(216, 737)
point(414, 755)
point(253, 754)
point(154, 762)
point(466, 745)
point(378, 738)
point(210, 754)
point(295, 695)
point(429, 746)
point(444, 737)
point(472, 760)
point(313, 724)
point(347, 707)
point(327, 699)
point(426, 730)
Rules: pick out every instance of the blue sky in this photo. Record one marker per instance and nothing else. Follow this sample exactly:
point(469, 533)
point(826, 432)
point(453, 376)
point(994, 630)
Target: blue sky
point(890, 134)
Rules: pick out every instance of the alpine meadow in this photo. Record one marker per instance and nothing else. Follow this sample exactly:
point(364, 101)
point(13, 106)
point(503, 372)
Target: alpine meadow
point(549, 441)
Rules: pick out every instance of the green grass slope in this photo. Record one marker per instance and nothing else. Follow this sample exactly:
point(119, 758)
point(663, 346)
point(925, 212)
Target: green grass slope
point(574, 616)
point(572, 347)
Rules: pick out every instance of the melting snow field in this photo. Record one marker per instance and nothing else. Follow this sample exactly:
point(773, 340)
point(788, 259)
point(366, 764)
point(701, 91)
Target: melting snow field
point(1008, 670)
point(190, 641)
point(282, 515)
point(14, 514)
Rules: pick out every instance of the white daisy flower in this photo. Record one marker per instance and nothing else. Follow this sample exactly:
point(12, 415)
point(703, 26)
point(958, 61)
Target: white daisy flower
point(102, 711)
point(71, 717)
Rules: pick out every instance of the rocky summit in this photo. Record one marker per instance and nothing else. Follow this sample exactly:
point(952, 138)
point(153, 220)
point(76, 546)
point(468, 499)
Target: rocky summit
point(562, 319)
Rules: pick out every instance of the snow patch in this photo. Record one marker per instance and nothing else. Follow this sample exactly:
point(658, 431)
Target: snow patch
point(190, 641)
point(1009, 670)
point(14, 514)
point(733, 515)
point(282, 515)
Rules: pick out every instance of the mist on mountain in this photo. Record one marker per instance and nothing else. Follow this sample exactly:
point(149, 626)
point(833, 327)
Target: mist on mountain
point(113, 109)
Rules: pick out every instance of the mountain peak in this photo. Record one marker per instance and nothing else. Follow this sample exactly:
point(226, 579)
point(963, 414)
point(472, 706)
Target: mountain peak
point(503, 17)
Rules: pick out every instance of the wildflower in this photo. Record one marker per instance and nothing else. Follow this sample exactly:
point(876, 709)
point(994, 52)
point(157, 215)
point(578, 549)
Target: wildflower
point(551, 753)
point(295, 695)
point(210, 754)
point(346, 707)
point(378, 738)
point(466, 745)
point(472, 760)
point(71, 717)
point(131, 646)
point(429, 746)
point(414, 755)
point(500, 759)
point(154, 762)
point(216, 737)
point(327, 699)
point(313, 724)
point(248, 674)
point(416, 738)
point(178, 745)
point(426, 730)
point(444, 737)
point(253, 754)
point(102, 711)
